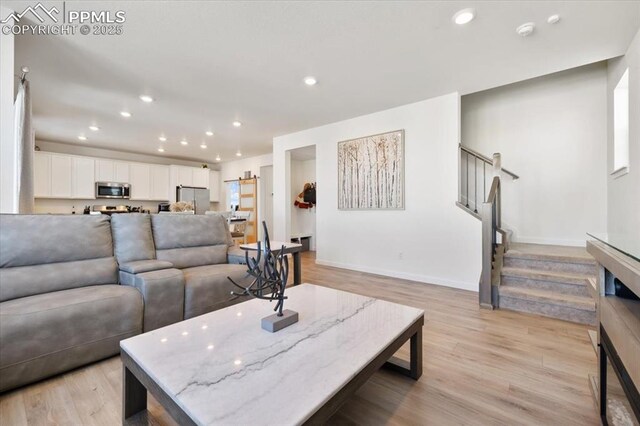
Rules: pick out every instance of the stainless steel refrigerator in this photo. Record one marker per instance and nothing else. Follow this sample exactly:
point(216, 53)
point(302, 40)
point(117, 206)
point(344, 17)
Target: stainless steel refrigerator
point(199, 197)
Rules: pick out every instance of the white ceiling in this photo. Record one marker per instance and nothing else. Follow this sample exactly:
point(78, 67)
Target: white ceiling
point(210, 63)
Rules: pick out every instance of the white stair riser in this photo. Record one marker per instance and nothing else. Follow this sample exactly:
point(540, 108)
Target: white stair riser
point(547, 265)
point(555, 286)
point(549, 310)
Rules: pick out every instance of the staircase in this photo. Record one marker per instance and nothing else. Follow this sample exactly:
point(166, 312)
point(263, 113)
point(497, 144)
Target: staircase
point(552, 281)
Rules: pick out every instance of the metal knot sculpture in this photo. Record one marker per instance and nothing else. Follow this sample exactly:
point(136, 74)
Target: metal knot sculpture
point(270, 271)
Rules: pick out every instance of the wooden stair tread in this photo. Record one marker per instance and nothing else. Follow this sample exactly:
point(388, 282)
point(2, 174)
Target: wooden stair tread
point(549, 297)
point(539, 274)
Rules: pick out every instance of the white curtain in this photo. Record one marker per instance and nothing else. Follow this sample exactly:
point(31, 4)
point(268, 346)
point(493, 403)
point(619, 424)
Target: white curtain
point(25, 145)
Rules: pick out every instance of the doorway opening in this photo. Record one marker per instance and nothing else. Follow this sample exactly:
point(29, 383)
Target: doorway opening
point(303, 196)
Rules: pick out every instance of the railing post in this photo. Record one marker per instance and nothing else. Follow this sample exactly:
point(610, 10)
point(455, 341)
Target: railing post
point(497, 167)
point(484, 292)
point(497, 164)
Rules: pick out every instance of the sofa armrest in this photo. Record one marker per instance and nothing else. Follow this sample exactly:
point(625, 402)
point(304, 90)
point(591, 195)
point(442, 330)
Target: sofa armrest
point(163, 295)
point(140, 266)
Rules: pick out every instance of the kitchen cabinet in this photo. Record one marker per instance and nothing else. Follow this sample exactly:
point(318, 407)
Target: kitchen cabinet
point(200, 177)
point(73, 177)
point(214, 186)
point(112, 171)
point(140, 181)
point(63, 176)
point(42, 175)
point(83, 172)
point(61, 181)
point(159, 182)
point(185, 176)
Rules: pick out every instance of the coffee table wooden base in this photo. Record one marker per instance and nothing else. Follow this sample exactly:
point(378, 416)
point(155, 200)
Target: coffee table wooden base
point(136, 382)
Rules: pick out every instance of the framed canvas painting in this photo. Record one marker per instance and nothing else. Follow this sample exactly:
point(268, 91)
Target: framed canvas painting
point(371, 172)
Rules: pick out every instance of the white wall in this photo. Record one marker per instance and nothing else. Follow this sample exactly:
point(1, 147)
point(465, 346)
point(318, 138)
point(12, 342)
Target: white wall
point(303, 221)
point(430, 241)
point(551, 131)
point(7, 143)
point(623, 204)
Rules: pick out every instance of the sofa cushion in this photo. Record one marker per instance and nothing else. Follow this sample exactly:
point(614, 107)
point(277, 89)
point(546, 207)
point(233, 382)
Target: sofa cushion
point(50, 333)
point(37, 239)
point(30, 280)
point(182, 231)
point(194, 256)
point(132, 237)
point(208, 289)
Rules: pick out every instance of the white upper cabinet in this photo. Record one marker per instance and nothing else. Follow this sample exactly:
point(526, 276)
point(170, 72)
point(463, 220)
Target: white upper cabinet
point(214, 186)
point(63, 176)
point(104, 171)
point(140, 181)
point(201, 177)
point(61, 181)
point(121, 172)
point(185, 176)
point(112, 171)
point(159, 182)
point(83, 172)
point(42, 175)
point(74, 177)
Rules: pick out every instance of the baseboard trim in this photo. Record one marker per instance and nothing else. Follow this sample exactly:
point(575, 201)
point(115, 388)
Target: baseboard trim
point(402, 275)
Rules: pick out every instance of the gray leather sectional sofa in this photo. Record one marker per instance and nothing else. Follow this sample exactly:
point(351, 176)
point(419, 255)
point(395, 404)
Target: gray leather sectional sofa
point(72, 287)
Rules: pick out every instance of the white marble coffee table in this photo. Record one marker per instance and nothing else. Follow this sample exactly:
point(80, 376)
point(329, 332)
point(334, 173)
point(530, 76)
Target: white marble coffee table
point(223, 368)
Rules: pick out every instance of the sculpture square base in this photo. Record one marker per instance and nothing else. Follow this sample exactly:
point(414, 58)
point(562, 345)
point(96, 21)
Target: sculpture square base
point(274, 323)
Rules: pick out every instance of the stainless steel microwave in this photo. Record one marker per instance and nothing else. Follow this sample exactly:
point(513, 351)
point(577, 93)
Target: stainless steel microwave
point(113, 190)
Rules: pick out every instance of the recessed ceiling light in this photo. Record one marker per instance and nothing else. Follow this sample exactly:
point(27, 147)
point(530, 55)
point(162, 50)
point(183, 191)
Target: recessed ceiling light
point(553, 19)
point(525, 30)
point(238, 154)
point(160, 149)
point(218, 157)
point(208, 133)
point(146, 98)
point(82, 138)
point(203, 146)
point(237, 124)
point(310, 81)
point(125, 114)
point(162, 139)
point(94, 128)
point(464, 16)
point(184, 142)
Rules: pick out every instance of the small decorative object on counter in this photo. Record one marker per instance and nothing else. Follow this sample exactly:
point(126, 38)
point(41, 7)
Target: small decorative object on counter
point(270, 272)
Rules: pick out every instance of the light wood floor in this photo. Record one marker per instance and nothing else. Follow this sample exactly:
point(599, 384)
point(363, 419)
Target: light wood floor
point(480, 368)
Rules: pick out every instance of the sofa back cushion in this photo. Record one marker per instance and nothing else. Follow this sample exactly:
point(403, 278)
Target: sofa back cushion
point(132, 237)
point(190, 240)
point(45, 253)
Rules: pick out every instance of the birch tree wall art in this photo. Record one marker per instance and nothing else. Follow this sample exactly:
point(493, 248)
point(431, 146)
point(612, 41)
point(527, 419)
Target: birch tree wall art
point(371, 172)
